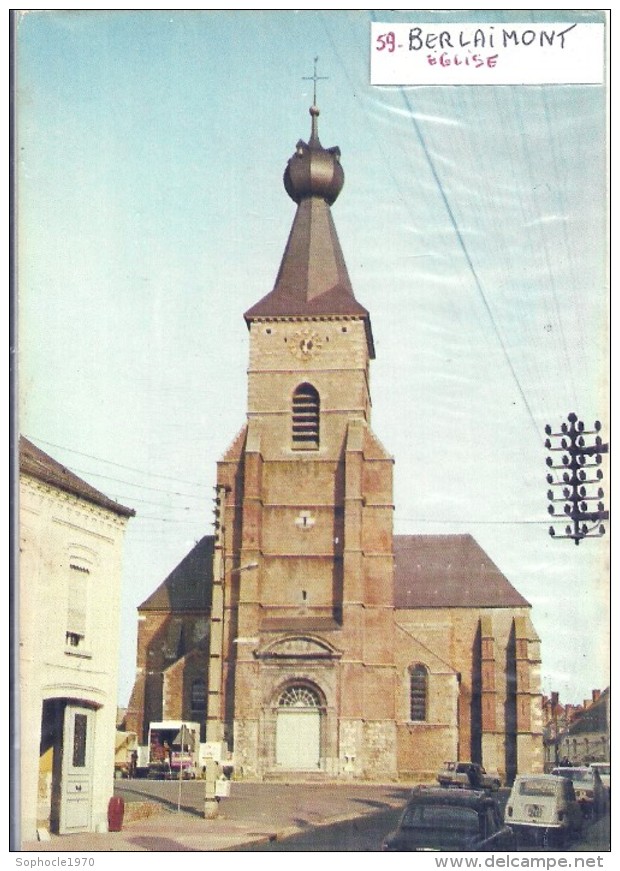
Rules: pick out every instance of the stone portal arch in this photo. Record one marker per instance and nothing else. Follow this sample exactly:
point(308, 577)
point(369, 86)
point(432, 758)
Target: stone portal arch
point(299, 709)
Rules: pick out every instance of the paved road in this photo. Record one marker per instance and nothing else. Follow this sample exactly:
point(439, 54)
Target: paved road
point(367, 835)
point(309, 806)
point(361, 835)
point(274, 805)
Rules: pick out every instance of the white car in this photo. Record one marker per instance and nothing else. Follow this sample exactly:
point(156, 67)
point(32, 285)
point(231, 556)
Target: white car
point(543, 808)
point(467, 775)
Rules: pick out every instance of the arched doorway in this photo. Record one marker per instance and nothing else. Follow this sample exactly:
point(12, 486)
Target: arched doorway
point(298, 729)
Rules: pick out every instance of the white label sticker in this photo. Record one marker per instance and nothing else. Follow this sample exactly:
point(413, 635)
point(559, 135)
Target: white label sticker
point(487, 54)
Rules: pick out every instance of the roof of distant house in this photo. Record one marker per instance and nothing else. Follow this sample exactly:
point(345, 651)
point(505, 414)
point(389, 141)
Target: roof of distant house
point(36, 463)
point(595, 718)
point(449, 571)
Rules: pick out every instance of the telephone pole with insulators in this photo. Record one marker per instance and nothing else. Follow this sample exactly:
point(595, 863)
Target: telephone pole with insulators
point(581, 457)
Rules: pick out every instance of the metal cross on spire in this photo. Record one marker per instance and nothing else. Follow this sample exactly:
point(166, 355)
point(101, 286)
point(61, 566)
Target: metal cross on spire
point(314, 78)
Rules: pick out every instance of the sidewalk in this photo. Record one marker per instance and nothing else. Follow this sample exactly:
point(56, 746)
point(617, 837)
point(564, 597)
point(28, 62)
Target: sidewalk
point(254, 813)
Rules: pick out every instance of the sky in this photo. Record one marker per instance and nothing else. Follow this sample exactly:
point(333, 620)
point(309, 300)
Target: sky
point(150, 147)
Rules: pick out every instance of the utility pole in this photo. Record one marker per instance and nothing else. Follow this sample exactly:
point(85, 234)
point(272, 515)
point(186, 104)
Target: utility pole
point(577, 461)
point(216, 748)
point(215, 720)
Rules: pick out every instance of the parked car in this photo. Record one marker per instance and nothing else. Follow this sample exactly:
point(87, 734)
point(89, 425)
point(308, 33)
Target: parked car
point(604, 769)
point(589, 788)
point(543, 808)
point(439, 819)
point(467, 775)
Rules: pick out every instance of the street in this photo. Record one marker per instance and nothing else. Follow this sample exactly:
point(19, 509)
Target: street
point(328, 817)
point(367, 833)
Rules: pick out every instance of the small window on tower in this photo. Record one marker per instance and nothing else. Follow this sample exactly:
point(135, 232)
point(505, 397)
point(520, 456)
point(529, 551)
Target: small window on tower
point(306, 414)
point(418, 688)
point(198, 699)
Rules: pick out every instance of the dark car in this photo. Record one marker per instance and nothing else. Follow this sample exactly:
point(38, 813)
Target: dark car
point(438, 819)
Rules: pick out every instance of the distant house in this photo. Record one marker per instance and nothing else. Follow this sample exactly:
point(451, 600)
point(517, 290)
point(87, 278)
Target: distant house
point(586, 737)
point(70, 542)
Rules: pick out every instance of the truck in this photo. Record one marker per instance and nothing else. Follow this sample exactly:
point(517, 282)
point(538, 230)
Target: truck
point(173, 749)
point(467, 775)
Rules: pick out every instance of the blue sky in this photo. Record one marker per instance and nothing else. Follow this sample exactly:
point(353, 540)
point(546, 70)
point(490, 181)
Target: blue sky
point(151, 214)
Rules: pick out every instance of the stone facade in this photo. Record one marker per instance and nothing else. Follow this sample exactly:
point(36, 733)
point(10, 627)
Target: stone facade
point(319, 524)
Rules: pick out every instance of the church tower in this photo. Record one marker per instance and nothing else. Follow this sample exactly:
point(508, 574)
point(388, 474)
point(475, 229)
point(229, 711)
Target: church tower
point(305, 550)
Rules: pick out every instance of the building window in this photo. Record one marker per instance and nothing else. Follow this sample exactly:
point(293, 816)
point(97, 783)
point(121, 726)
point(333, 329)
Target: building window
point(77, 607)
point(198, 697)
point(80, 724)
point(418, 687)
point(299, 697)
point(306, 415)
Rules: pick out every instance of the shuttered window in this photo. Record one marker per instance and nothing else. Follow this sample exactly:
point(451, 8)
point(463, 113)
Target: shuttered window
point(198, 699)
point(306, 418)
point(77, 608)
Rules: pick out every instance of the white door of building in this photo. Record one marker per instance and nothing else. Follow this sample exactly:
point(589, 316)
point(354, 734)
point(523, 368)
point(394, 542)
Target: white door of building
point(298, 730)
point(77, 770)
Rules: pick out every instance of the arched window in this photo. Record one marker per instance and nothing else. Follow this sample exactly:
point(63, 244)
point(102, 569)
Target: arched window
point(299, 697)
point(418, 689)
point(306, 414)
point(198, 697)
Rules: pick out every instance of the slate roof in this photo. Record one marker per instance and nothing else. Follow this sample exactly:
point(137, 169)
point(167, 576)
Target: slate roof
point(431, 571)
point(36, 463)
point(313, 277)
point(449, 571)
point(188, 586)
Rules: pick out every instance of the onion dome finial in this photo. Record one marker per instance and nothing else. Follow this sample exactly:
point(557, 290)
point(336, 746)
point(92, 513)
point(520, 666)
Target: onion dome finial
point(314, 171)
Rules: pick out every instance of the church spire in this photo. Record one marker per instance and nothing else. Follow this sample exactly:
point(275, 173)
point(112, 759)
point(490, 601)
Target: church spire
point(313, 280)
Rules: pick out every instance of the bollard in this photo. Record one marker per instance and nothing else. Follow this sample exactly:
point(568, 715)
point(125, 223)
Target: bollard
point(116, 811)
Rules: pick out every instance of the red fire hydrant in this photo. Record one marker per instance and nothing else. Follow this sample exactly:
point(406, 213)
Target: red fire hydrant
point(116, 811)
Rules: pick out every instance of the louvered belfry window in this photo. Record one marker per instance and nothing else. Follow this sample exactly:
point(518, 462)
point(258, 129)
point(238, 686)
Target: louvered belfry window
point(306, 416)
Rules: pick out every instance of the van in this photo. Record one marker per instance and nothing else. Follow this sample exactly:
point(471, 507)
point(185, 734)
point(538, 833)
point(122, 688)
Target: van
point(543, 808)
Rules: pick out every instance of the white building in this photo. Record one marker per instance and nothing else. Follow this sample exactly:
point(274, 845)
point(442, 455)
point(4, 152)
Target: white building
point(70, 539)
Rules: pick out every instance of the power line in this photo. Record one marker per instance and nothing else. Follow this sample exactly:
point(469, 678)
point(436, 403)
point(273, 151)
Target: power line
point(140, 486)
point(118, 465)
point(471, 522)
point(550, 272)
point(465, 251)
point(463, 246)
point(183, 520)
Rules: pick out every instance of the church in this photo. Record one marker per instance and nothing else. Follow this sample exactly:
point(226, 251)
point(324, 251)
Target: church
point(304, 634)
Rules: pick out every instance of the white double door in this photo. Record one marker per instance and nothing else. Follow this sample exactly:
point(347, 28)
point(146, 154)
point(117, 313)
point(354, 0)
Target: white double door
point(298, 738)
